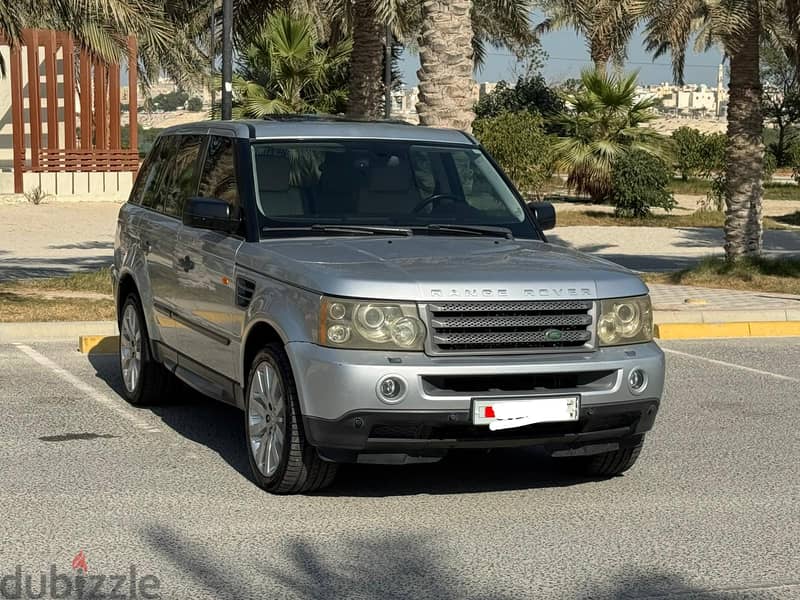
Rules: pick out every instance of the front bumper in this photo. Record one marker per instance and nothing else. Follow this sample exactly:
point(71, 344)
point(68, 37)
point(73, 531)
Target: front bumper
point(341, 409)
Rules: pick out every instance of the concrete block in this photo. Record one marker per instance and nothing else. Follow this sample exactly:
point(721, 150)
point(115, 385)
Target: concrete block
point(677, 316)
point(110, 183)
point(64, 184)
point(80, 183)
point(96, 183)
point(743, 316)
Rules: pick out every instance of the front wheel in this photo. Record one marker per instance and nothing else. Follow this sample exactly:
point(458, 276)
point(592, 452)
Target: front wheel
point(610, 464)
point(281, 459)
point(144, 380)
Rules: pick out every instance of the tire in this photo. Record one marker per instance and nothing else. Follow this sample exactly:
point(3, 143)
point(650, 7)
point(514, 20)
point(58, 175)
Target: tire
point(281, 459)
point(153, 383)
point(611, 464)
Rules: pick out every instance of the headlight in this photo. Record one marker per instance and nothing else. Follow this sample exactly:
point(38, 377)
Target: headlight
point(625, 321)
point(370, 325)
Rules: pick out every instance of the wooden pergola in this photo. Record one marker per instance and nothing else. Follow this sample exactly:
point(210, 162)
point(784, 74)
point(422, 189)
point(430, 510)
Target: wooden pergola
point(91, 143)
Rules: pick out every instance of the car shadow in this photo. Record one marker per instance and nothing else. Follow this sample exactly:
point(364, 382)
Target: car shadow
point(220, 427)
point(389, 565)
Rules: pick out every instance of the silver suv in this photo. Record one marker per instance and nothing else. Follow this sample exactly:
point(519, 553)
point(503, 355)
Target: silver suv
point(374, 292)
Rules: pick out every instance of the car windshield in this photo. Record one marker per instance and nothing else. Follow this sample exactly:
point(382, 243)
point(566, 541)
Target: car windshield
point(372, 186)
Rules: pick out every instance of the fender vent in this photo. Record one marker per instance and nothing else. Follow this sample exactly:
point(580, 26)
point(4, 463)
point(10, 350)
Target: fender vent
point(244, 291)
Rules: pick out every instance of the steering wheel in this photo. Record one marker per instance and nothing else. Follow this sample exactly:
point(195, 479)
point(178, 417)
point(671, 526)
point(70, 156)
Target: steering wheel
point(434, 199)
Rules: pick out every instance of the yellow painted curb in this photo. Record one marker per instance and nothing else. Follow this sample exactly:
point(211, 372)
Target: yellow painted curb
point(689, 331)
point(98, 344)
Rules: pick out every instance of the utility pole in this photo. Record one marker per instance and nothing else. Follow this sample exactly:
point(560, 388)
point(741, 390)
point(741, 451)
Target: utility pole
point(212, 50)
point(387, 74)
point(227, 59)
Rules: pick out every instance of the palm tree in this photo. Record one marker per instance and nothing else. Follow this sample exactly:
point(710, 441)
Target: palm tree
point(602, 122)
point(102, 26)
point(446, 64)
point(285, 69)
point(499, 23)
point(607, 25)
point(737, 26)
point(366, 88)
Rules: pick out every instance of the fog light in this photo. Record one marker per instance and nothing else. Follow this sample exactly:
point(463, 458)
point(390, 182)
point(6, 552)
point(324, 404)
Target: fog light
point(637, 381)
point(391, 389)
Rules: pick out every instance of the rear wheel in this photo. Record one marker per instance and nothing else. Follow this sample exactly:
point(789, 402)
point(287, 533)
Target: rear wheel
point(281, 459)
point(612, 463)
point(144, 380)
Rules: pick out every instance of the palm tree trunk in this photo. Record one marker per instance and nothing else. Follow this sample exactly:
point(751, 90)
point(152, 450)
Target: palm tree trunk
point(745, 152)
point(446, 86)
point(366, 63)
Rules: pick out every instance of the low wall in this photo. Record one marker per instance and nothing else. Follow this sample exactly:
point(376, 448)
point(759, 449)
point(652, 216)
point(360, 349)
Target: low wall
point(78, 186)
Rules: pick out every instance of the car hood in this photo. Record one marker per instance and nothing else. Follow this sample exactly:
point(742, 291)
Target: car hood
point(425, 268)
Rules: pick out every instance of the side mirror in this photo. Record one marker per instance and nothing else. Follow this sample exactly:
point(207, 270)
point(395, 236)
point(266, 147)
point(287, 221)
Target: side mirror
point(544, 213)
point(210, 213)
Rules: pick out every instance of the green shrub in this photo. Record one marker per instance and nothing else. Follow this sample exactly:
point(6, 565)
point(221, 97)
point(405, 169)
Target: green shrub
point(688, 151)
point(640, 183)
point(194, 104)
point(698, 154)
point(518, 142)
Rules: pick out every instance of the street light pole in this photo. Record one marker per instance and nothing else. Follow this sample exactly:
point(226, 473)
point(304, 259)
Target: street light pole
point(387, 74)
point(227, 59)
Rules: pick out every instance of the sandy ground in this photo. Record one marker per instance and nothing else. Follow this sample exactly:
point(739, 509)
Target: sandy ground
point(53, 239)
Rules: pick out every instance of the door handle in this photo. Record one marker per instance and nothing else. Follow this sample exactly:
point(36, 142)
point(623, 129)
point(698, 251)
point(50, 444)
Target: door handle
point(146, 246)
point(186, 263)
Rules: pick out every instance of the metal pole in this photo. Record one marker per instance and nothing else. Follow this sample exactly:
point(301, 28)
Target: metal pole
point(227, 59)
point(212, 50)
point(387, 74)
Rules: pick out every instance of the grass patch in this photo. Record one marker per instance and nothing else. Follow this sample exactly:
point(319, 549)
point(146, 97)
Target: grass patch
point(570, 218)
point(774, 190)
point(91, 281)
point(755, 274)
point(16, 308)
point(29, 300)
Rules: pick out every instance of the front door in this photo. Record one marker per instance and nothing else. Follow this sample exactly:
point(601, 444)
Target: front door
point(206, 292)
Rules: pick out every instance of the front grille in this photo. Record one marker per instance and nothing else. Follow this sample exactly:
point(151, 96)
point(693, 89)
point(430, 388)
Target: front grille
point(513, 327)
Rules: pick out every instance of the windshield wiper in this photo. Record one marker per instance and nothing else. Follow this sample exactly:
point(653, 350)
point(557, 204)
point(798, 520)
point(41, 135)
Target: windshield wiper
point(489, 230)
point(340, 230)
point(363, 229)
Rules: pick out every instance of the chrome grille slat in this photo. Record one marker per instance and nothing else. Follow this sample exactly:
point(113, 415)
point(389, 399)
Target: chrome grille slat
point(479, 327)
point(506, 337)
point(477, 322)
point(539, 305)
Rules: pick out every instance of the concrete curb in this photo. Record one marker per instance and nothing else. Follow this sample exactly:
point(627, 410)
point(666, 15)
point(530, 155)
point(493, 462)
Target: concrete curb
point(53, 331)
point(734, 329)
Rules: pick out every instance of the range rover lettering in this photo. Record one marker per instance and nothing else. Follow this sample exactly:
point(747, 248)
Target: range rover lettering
point(374, 292)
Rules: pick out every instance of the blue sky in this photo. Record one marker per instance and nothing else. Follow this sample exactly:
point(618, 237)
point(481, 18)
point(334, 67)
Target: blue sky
point(568, 55)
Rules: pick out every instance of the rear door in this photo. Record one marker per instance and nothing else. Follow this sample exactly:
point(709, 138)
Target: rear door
point(205, 269)
point(158, 233)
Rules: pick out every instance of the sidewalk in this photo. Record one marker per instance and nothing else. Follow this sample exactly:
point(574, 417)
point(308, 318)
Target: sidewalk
point(687, 312)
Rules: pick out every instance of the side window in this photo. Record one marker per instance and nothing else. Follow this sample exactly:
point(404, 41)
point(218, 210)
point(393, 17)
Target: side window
point(180, 177)
point(218, 179)
point(422, 165)
point(164, 155)
point(478, 191)
point(148, 174)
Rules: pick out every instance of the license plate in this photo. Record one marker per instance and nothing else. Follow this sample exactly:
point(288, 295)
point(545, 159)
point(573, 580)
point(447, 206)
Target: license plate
point(507, 413)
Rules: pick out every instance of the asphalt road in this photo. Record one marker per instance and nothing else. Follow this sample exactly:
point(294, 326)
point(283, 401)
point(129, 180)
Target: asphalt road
point(711, 510)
